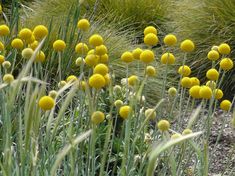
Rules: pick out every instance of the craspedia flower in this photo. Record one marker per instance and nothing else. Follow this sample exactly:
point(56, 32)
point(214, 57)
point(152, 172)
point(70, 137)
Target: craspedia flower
point(117, 89)
point(91, 60)
point(213, 55)
point(184, 70)
point(96, 40)
point(71, 78)
point(101, 50)
point(107, 79)
point(125, 112)
point(118, 103)
point(168, 58)
point(172, 91)
point(4, 30)
point(27, 53)
point(226, 64)
point(2, 59)
point(150, 71)
point(81, 48)
point(127, 57)
point(6, 64)
point(1, 46)
point(212, 74)
point(205, 92)
point(25, 34)
point(211, 84)
point(215, 48)
point(101, 69)
point(83, 85)
point(17, 43)
point(195, 81)
point(187, 131)
point(59, 45)
point(136, 53)
point(104, 58)
point(92, 51)
point(62, 84)
point(97, 81)
point(147, 56)
point(83, 24)
point(79, 61)
point(40, 57)
point(218, 93)
point(194, 91)
point(8, 78)
point(170, 40)
point(0, 9)
point(187, 46)
point(224, 48)
point(151, 39)
point(225, 105)
point(175, 136)
point(97, 117)
point(34, 45)
point(46, 103)
point(40, 32)
point(150, 114)
point(30, 40)
point(150, 29)
point(53, 94)
point(163, 125)
point(186, 82)
point(133, 80)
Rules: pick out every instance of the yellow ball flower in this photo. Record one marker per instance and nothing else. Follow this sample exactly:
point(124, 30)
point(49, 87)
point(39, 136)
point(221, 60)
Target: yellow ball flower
point(40, 57)
point(91, 60)
point(151, 39)
point(40, 32)
point(163, 125)
point(187, 46)
point(195, 81)
point(147, 56)
point(34, 45)
point(2, 59)
point(104, 58)
point(125, 112)
point(226, 64)
point(8, 78)
point(27, 53)
point(194, 91)
point(53, 94)
point(101, 50)
point(71, 78)
point(150, 29)
point(168, 58)
point(83, 85)
point(127, 57)
point(215, 48)
point(211, 84)
point(212, 74)
point(150, 114)
point(133, 80)
point(25, 34)
point(61, 84)
point(0, 9)
point(187, 131)
point(96, 40)
point(17, 43)
point(184, 70)
point(186, 82)
point(170, 40)
point(172, 91)
point(1, 46)
point(6, 64)
point(136, 53)
point(225, 105)
point(59, 45)
point(150, 71)
point(81, 48)
point(224, 48)
point(83, 24)
point(79, 61)
point(97, 117)
point(213, 55)
point(107, 79)
point(218, 93)
point(101, 69)
point(92, 51)
point(4, 30)
point(30, 40)
point(118, 103)
point(205, 92)
point(46, 103)
point(97, 81)
point(175, 136)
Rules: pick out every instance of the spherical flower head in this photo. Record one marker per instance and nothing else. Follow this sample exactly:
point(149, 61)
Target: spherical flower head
point(8, 78)
point(6, 64)
point(187, 46)
point(83, 24)
point(101, 69)
point(150, 29)
point(195, 81)
point(125, 112)
point(224, 48)
point(17, 43)
point(104, 59)
point(213, 55)
point(97, 117)
point(187, 131)
point(168, 58)
point(212, 74)
point(211, 84)
point(0, 9)
point(147, 56)
point(218, 93)
point(34, 45)
point(118, 103)
point(59, 45)
point(107, 79)
point(150, 114)
point(62, 84)
point(1, 46)
point(170, 40)
point(133, 80)
point(92, 51)
point(194, 91)
point(81, 48)
point(184, 70)
point(215, 48)
point(136, 53)
point(205, 92)
point(91, 60)
point(117, 89)
point(172, 91)
point(30, 40)
point(46, 103)
point(71, 78)
point(79, 61)
point(2, 59)
point(40, 32)
point(127, 57)
point(53, 94)
point(175, 136)
point(83, 85)
point(186, 82)
point(150, 71)
point(163, 125)
point(101, 50)
point(225, 105)
point(96, 40)
point(25, 34)
point(97, 81)
point(27, 53)
point(4, 30)
point(226, 64)
point(40, 57)
point(151, 39)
